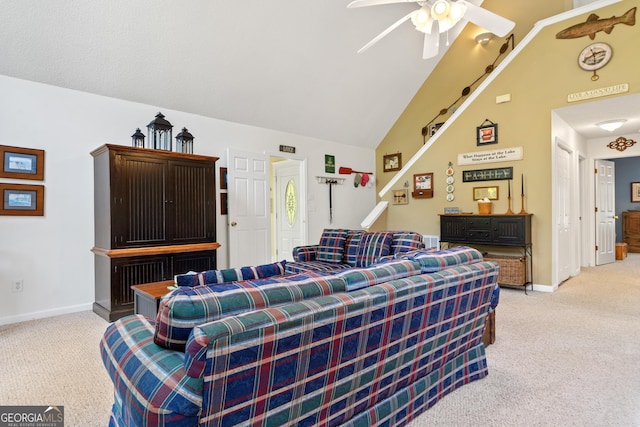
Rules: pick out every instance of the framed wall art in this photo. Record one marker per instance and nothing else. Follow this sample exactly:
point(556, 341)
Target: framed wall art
point(22, 163)
point(490, 193)
point(223, 204)
point(422, 185)
point(22, 199)
point(401, 197)
point(392, 162)
point(223, 178)
point(635, 192)
point(487, 133)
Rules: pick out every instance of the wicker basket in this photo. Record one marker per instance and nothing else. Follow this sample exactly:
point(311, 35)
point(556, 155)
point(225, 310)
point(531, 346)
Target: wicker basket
point(513, 269)
point(484, 208)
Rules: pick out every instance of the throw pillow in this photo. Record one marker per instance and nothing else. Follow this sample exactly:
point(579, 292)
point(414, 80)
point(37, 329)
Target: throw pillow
point(373, 246)
point(231, 274)
point(331, 247)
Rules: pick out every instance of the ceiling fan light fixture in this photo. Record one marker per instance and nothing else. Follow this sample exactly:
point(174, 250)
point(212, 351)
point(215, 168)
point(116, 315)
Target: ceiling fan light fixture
point(440, 10)
point(611, 125)
point(422, 20)
point(457, 11)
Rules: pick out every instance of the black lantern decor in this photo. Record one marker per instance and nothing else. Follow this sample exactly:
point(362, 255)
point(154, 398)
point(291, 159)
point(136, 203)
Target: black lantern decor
point(137, 139)
point(159, 133)
point(184, 142)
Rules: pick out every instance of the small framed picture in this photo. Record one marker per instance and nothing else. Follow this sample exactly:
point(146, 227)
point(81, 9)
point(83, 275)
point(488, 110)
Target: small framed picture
point(223, 178)
point(490, 193)
point(487, 134)
point(22, 199)
point(392, 162)
point(22, 163)
point(635, 192)
point(223, 204)
point(401, 197)
point(422, 185)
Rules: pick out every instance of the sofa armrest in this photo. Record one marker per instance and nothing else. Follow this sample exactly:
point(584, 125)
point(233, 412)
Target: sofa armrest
point(305, 253)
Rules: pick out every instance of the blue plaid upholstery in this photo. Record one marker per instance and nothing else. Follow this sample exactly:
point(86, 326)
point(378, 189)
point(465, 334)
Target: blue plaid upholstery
point(187, 307)
point(357, 278)
point(231, 274)
point(314, 267)
point(305, 253)
point(331, 247)
point(151, 386)
point(376, 356)
point(352, 244)
point(432, 261)
point(406, 241)
point(373, 246)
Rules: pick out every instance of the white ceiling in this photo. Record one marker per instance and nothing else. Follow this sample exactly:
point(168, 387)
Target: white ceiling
point(289, 65)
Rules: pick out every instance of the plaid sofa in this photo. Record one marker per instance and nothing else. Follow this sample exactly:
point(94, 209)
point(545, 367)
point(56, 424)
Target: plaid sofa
point(341, 249)
point(378, 353)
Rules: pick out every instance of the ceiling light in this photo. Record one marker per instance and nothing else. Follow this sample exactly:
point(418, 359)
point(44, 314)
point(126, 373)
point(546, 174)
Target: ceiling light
point(422, 20)
point(611, 125)
point(484, 38)
point(440, 9)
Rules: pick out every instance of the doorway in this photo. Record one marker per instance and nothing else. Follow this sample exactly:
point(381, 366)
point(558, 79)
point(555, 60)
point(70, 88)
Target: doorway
point(288, 201)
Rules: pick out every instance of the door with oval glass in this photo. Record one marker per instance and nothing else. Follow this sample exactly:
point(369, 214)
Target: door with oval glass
point(290, 211)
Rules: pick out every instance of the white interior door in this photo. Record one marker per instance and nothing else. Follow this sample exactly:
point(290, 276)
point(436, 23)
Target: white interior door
point(563, 193)
point(289, 208)
point(605, 212)
point(248, 208)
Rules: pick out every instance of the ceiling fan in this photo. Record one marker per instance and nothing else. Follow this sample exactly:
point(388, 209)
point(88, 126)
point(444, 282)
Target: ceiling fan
point(446, 13)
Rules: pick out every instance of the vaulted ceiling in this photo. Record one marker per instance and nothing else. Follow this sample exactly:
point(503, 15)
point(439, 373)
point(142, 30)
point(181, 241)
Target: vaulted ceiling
point(289, 65)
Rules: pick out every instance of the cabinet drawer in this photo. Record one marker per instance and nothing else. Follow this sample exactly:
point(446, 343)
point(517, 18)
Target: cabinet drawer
point(479, 223)
point(478, 236)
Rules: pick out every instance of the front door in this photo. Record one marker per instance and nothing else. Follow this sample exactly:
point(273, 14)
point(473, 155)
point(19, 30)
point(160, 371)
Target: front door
point(289, 208)
point(248, 208)
point(605, 212)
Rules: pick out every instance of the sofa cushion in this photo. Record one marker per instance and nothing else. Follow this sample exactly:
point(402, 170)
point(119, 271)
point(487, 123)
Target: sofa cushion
point(406, 241)
point(373, 246)
point(231, 274)
point(314, 267)
point(151, 385)
point(432, 261)
point(352, 243)
point(331, 247)
point(357, 278)
point(187, 307)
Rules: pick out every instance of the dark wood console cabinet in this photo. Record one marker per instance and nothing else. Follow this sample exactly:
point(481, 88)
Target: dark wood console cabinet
point(631, 230)
point(490, 230)
point(154, 218)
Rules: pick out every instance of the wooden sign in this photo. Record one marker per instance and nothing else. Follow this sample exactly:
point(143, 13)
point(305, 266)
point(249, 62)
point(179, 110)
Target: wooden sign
point(287, 149)
point(487, 174)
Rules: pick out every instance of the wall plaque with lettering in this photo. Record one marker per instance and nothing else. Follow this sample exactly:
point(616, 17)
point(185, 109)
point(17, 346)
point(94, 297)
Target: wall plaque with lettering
point(495, 174)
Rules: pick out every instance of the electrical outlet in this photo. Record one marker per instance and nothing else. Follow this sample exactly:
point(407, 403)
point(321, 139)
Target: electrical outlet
point(17, 286)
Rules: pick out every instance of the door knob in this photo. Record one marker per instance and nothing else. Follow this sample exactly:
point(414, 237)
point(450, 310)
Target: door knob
point(615, 217)
point(233, 223)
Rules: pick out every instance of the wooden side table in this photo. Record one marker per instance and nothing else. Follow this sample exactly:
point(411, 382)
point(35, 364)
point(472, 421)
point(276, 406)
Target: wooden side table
point(146, 297)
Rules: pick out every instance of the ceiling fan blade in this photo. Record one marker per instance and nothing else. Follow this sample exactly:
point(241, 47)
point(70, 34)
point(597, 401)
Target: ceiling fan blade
point(488, 20)
point(387, 31)
point(430, 48)
point(363, 3)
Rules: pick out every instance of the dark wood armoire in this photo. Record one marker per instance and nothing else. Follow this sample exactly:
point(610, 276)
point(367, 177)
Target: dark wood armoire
point(155, 217)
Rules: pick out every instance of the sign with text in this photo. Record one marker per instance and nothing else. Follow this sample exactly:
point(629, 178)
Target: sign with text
point(492, 156)
point(31, 416)
point(487, 174)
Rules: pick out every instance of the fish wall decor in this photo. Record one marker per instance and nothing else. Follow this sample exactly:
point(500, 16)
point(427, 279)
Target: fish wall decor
point(594, 24)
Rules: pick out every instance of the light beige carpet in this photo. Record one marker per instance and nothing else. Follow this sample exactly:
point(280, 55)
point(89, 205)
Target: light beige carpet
point(570, 358)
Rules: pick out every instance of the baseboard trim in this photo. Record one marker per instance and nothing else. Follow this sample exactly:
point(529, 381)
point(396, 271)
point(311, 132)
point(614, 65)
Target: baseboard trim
point(45, 313)
point(544, 288)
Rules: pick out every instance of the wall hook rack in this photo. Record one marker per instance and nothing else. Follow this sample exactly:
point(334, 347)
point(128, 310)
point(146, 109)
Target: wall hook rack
point(329, 180)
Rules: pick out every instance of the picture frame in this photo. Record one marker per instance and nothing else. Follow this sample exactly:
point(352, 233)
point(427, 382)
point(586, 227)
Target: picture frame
point(223, 204)
point(223, 178)
point(422, 185)
point(635, 192)
point(392, 162)
point(22, 163)
point(401, 197)
point(22, 199)
point(491, 193)
point(487, 134)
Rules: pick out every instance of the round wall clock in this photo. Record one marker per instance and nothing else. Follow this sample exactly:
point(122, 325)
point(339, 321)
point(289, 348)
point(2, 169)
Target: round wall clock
point(595, 56)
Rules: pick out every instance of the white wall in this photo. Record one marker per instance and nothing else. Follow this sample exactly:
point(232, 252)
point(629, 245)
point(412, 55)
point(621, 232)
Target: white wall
point(52, 253)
